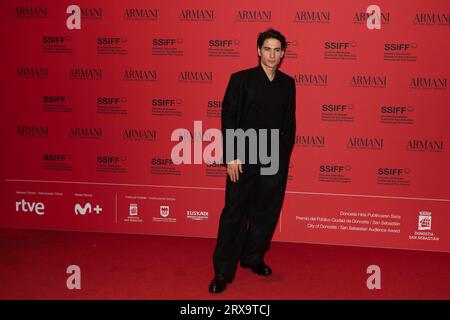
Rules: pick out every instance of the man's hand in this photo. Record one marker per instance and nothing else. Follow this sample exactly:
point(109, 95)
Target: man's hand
point(233, 169)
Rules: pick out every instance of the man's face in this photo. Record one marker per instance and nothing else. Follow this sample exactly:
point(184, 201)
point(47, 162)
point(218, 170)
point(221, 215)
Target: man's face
point(271, 53)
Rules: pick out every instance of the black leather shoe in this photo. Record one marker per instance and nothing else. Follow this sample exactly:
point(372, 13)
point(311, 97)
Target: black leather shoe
point(219, 283)
point(262, 269)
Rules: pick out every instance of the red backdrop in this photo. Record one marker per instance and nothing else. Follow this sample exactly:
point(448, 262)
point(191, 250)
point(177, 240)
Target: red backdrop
point(87, 116)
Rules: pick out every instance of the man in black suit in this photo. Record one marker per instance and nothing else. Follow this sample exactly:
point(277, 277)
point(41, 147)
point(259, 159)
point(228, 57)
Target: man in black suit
point(260, 99)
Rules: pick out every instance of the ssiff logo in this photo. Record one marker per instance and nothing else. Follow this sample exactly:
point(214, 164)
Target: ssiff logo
point(424, 220)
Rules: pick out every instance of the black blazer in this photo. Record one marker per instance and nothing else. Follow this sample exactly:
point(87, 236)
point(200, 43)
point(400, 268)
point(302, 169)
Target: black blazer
point(238, 99)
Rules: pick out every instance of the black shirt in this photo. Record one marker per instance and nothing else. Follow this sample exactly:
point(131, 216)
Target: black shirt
point(253, 101)
point(267, 101)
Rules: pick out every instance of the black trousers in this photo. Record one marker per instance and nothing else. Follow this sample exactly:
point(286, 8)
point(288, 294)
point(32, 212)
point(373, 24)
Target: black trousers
point(249, 218)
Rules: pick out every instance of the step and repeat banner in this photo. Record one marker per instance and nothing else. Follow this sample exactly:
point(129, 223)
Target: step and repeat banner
point(92, 91)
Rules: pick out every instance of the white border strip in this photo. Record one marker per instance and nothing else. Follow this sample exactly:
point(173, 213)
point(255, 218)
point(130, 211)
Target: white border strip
point(221, 189)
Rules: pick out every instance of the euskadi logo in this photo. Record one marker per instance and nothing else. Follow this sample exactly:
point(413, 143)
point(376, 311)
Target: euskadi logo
point(198, 215)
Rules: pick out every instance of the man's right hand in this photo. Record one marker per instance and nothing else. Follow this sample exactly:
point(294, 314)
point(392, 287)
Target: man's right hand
point(234, 167)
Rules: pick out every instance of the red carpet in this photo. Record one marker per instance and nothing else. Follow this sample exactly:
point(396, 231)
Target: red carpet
point(33, 265)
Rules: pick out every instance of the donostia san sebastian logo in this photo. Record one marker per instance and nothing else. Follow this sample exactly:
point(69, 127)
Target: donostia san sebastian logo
point(423, 232)
point(133, 214)
point(197, 15)
point(424, 221)
point(146, 14)
point(133, 209)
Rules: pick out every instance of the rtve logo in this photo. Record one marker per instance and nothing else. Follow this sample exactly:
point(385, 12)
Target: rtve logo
point(25, 206)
